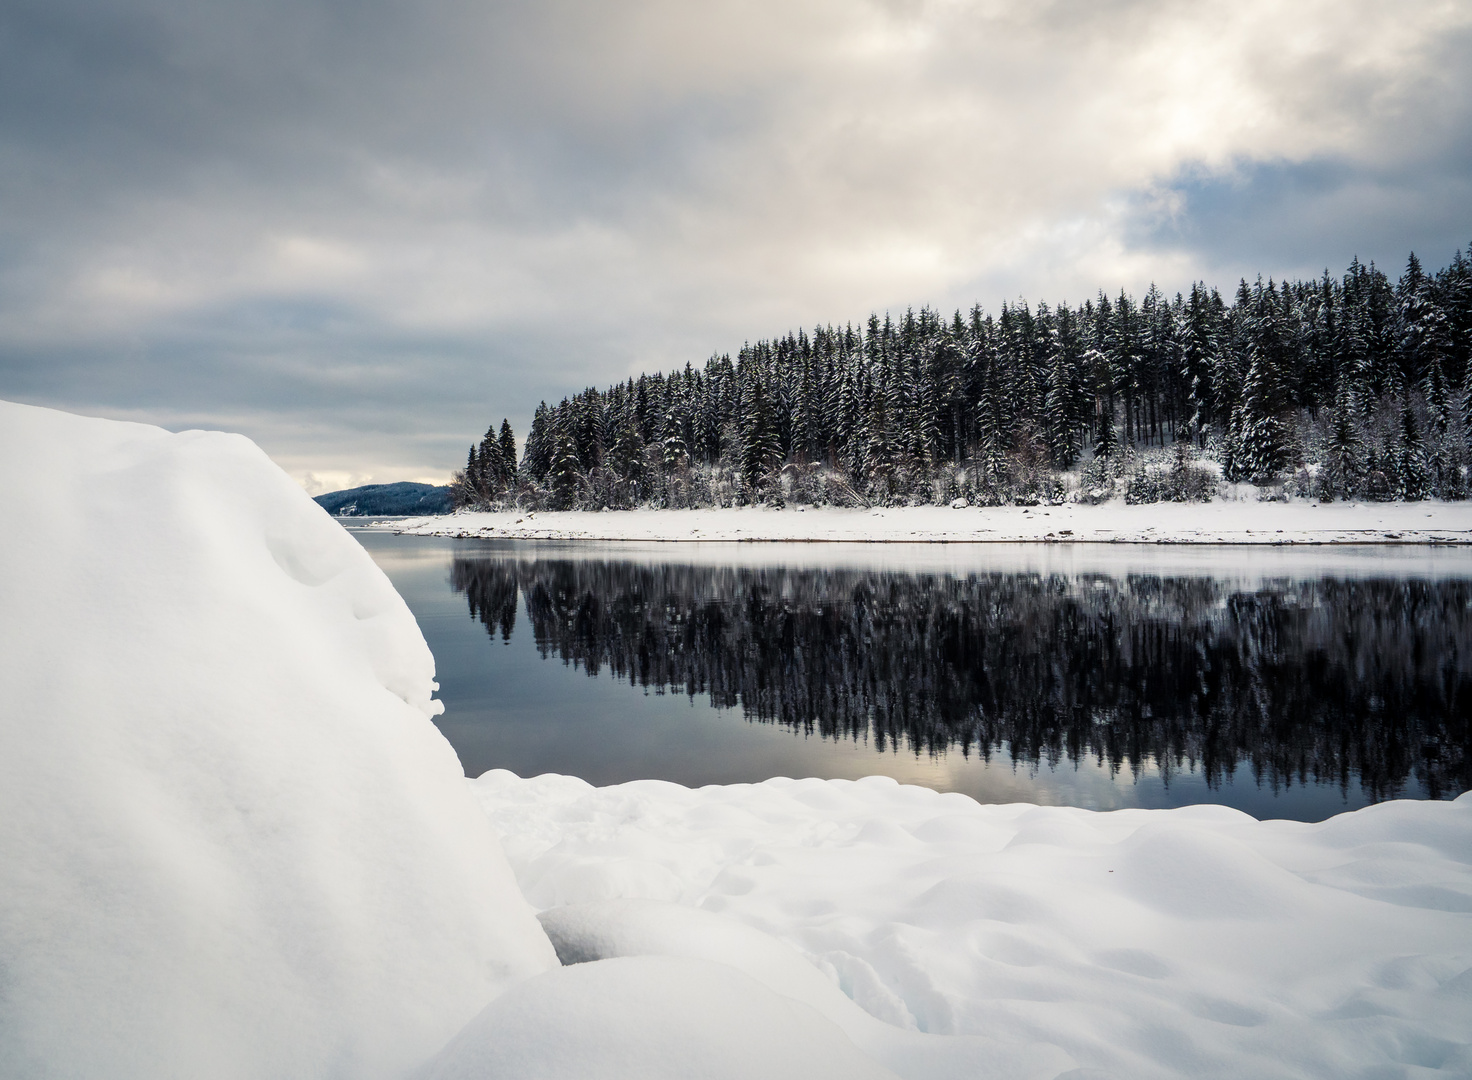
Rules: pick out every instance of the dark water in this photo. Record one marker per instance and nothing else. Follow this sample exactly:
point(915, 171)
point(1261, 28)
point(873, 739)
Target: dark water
point(1288, 683)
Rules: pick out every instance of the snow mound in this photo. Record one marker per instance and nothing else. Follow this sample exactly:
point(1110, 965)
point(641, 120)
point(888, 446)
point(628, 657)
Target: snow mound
point(1029, 941)
point(604, 929)
point(232, 843)
point(650, 1018)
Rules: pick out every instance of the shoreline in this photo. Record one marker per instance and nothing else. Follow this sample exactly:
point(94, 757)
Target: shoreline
point(1218, 523)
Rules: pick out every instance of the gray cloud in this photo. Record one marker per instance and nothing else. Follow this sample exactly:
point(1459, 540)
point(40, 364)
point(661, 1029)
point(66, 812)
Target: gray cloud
point(360, 232)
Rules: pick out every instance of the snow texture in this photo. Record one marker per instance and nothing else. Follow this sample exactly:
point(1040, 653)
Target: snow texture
point(232, 843)
point(1043, 941)
point(651, 1018)
point(1220, 522)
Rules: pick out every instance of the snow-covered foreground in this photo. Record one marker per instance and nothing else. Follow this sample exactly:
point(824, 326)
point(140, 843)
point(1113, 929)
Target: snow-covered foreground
point(1140, 943)
point(1220, 522)
point(232, 844)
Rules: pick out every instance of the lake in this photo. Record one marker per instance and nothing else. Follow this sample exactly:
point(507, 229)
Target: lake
point(1286, 682)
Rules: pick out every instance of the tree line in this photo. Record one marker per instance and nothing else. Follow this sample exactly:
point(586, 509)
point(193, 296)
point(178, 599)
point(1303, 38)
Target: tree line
point(1336, 388)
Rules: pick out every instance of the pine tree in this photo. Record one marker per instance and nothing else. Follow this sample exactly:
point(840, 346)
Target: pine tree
point(991, 432)
point(627, 458)
point(507, 447)
point(566, 472)
point(1467, 409)
point(1262, 443)
point(1106, 443)
point(1411, 463)
point(490, 477)
point(760, 449)
point(1198, 356)
point(462, 484)
point(1058, 424)
point(539, 445)
point(879, 451)
point(1342, 469)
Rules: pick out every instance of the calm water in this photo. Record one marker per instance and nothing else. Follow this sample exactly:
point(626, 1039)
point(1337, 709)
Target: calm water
point(1286, 682)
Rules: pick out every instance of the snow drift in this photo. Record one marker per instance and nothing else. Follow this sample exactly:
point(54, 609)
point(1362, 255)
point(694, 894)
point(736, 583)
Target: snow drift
point(1026, 942)
point(232, 843)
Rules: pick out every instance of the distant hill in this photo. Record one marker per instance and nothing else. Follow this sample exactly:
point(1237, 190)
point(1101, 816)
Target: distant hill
point(387, 500)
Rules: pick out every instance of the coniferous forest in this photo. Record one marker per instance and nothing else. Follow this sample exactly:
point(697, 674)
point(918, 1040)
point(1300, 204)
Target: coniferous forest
point(1357, 387)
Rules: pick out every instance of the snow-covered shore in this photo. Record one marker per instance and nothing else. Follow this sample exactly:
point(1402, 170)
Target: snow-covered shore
point(1219, 522)
point(1196, 942)
point(233, 845)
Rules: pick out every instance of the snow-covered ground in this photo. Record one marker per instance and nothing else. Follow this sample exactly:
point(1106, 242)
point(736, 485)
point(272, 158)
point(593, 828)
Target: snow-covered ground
point(1196, 942)
point(232, 844)
point(1219, 522)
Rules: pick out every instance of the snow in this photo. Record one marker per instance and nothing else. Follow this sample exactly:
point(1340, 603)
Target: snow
point(651, 1018)
point(232, 842)
point(1221, 522)
point(1137, 943)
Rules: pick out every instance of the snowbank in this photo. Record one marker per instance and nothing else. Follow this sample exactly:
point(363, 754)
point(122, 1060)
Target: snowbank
point(652, 1018)
point(232, 843)
point(1140, 943)
point(1220, 522)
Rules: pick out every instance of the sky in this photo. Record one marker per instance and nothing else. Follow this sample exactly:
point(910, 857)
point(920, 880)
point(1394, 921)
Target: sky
point(361, 232)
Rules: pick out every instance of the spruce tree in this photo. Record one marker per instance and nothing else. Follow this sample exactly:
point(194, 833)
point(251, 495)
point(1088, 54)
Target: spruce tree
point(1058, 424)
point(490, 475)
point(1198, 355)
point(627, 459)
point(1342, 469)
point(565, 474)
point(507, 447)
point(990, 416)
point(539, 444)
point(879, 451)
point(463, 491)
point(1262, 448)
point(673, 451)
point(1467, 409)
point(760, 448)
point(1106, 443)
point(1411, 459)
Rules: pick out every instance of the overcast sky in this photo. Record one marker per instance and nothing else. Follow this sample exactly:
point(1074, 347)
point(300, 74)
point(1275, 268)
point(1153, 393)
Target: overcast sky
point(361, 231)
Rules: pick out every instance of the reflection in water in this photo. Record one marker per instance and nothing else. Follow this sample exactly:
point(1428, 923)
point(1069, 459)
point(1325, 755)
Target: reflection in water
point(1328, 680)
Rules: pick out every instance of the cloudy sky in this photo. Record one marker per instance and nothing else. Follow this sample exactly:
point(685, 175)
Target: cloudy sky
point(361, 231)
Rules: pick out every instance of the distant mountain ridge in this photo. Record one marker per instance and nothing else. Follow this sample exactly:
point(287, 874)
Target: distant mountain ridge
point(372, 500)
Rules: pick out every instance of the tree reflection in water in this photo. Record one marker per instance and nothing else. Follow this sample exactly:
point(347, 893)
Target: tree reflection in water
point(1331, 680)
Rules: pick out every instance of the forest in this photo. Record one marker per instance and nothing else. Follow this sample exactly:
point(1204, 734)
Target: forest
point(1343, 682)
point(1354, 387)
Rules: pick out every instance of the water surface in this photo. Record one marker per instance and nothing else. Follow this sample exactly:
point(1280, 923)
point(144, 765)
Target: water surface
point(1285, 682)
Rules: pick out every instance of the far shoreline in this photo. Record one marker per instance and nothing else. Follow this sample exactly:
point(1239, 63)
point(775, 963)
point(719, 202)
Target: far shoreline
point(1217, 523)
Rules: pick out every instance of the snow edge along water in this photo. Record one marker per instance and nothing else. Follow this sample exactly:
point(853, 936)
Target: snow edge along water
point(1223, 522)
